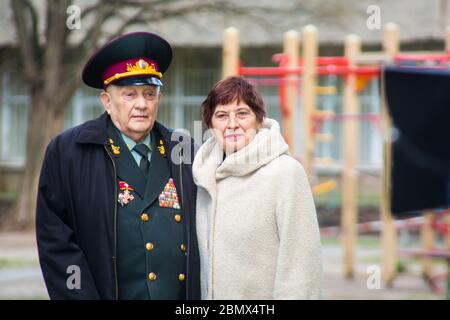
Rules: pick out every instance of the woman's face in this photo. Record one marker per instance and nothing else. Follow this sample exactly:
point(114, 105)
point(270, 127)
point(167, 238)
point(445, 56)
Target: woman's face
point(235, 125)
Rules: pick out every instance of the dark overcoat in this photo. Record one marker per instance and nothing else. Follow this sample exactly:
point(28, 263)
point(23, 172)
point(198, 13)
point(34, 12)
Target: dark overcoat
point(76, 211)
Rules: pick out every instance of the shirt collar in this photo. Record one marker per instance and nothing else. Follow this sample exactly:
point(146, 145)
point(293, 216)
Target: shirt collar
point(131, 143)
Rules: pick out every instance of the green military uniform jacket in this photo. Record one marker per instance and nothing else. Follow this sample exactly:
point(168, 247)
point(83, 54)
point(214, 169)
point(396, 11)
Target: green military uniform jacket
point(151, 250)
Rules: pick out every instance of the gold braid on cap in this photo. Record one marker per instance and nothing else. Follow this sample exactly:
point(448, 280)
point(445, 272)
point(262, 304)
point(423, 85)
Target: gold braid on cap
point(141, 67)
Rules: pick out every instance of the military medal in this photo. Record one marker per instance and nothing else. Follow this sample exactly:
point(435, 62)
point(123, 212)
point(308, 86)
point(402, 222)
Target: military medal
point(125, 197)
point(162, 150)
point(169, 197)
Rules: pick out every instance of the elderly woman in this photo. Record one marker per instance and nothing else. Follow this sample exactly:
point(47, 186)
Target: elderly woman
point(256, 221)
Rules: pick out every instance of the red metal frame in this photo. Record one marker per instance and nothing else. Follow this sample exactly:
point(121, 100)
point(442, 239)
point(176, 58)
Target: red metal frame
point(441, 58)
point(333, 65)
point(321, 70)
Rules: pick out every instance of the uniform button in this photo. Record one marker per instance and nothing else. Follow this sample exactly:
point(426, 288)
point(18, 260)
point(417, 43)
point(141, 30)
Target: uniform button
point(183, 247)
point(177, 218)
point(145, 217)
point(181, 277)
point(152, 276)
point(149, 246)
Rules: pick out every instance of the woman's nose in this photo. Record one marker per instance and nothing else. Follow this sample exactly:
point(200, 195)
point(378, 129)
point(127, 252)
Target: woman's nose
point(232, 122)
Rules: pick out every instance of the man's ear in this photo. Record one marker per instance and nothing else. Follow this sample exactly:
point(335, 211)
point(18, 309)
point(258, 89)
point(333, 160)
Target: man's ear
point(105, 98)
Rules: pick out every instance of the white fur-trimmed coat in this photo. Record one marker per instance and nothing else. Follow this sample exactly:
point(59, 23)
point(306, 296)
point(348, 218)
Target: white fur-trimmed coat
point(256, 222)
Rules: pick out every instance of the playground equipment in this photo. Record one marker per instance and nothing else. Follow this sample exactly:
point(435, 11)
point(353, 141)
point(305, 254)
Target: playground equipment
point(429, 225)
point(356, 69)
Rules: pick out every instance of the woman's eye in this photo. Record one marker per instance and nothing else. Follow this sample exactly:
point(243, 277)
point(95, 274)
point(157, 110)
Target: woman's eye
point(243, 113)
point(220, 116)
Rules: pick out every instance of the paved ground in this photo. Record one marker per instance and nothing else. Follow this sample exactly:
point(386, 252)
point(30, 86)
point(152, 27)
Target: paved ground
point(408, 285)
point(20, 275)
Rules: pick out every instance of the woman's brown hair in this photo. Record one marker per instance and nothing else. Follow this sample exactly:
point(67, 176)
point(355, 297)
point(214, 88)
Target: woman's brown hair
point(229, 90)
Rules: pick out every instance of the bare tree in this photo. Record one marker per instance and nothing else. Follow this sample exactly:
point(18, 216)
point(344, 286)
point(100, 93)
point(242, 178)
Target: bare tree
point(54, 75)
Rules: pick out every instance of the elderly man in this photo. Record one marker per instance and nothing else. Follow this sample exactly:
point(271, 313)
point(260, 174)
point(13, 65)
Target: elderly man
point(116, 200)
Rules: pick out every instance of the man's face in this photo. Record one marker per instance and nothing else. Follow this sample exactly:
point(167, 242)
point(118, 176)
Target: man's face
point(133, 109)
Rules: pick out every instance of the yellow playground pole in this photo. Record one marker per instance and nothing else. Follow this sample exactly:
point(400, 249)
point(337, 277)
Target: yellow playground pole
point(349, 206)
point(388, 231)
point(291, 45)
point(309, 84)
point(230, 53)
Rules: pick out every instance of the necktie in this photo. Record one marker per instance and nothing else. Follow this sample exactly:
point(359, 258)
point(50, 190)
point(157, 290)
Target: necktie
point(143, 150)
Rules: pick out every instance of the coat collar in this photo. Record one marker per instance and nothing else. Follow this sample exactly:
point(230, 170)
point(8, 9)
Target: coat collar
point(210, 167)
point(127, 169)
point(208, 158)
point(95, 132)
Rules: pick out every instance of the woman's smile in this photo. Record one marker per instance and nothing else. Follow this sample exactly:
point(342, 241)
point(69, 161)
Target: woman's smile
point(233, 136)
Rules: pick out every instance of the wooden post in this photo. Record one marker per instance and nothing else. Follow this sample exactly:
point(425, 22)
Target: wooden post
point(291, 49)
point(349, 206)
point(427, 238)
point(309, 84)
point(230, 54)
point(447, 235)
point(427, 234)
point(447, 217)
point(447, 246)
point(388, 232)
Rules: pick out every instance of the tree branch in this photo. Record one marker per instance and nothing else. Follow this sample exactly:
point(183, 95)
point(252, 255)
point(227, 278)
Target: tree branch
point(84, 49)
point(28, 37)
point(90, 9)
point(134, 12)
point(56, 42)
point(34, 28)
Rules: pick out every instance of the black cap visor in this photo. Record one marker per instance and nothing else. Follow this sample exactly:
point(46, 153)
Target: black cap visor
point(137, 81)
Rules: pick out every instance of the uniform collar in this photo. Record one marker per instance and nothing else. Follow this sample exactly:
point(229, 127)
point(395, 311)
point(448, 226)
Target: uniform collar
point(131, 143)
point(95, 131)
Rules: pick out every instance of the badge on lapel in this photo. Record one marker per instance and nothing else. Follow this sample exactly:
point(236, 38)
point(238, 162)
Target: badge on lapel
point(125, 197)
point(168, 198)
point(161, 148)
point(115, 149)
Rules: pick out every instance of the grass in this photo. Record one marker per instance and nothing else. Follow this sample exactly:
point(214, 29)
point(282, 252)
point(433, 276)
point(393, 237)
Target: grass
point(416, 260)
point(8, 196)
point(371, 260)
point(364, 242)
point(374, 242)
point(17, 262)
point(38, 297)
point(329, 241)
point(334, 200)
